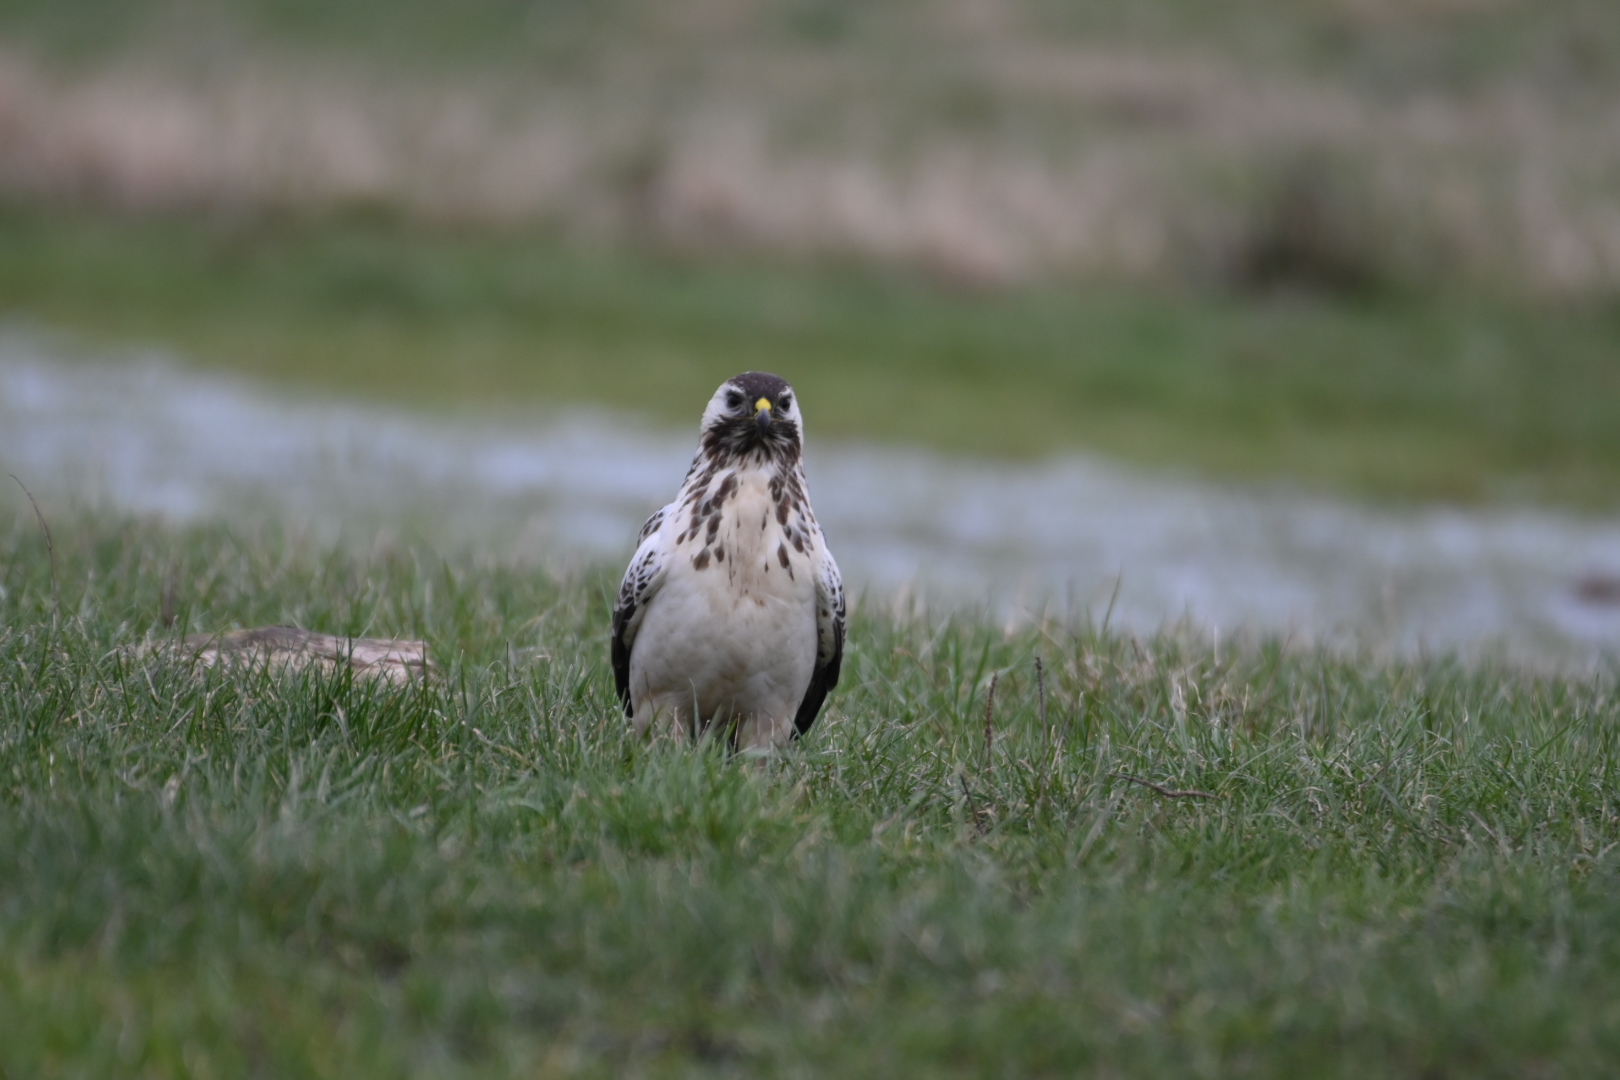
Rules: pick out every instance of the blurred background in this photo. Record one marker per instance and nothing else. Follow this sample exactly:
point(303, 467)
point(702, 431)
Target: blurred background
point(1286, 315)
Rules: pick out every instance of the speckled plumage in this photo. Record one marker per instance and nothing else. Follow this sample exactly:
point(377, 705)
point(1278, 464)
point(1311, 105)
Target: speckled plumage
point(731, 612)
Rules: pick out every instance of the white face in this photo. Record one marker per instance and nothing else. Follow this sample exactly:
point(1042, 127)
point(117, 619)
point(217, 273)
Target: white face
point(734, 402)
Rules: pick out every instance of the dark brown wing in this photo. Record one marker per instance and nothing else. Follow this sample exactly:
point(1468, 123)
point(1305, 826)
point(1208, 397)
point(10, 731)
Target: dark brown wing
point(641, 579)
point(621, 655)
point(829, 643)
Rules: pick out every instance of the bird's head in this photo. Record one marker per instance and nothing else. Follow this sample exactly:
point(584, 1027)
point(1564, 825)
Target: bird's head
point(754, 414)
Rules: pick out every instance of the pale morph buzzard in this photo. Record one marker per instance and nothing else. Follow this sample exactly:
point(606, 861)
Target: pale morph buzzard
point(731, 613)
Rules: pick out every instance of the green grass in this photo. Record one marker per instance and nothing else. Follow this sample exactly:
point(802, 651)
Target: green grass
point(1408, 870)
point(1453, 400)
point(1398, 47)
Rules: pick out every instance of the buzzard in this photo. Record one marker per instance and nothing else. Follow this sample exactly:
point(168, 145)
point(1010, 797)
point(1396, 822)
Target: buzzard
point(731, 614)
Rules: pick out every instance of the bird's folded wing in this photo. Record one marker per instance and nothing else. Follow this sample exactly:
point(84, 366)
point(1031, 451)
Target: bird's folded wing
point(829, 638)
point(641, 581)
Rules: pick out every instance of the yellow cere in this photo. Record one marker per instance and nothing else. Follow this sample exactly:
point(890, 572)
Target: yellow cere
point(762, 403)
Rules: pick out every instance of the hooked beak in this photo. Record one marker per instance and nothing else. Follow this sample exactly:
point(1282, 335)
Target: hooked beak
point(762, 414)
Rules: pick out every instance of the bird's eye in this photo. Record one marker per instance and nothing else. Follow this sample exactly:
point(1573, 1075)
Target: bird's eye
point(734, 400)
point(785, 402)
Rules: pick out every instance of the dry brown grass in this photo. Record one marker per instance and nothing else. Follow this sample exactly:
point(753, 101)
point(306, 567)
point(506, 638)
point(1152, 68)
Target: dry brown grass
point(992, 158)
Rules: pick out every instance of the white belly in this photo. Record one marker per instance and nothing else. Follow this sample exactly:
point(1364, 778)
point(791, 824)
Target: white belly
point(733, 635)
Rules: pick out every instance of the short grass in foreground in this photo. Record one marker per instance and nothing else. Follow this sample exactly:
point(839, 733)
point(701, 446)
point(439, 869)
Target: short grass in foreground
point(1455, 399)
point(1404, 870)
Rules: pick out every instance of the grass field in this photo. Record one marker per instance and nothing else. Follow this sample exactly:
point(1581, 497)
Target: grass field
point(1366, 247)
point(1474, 41)
point(1454, 400)
point(1401, 871)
